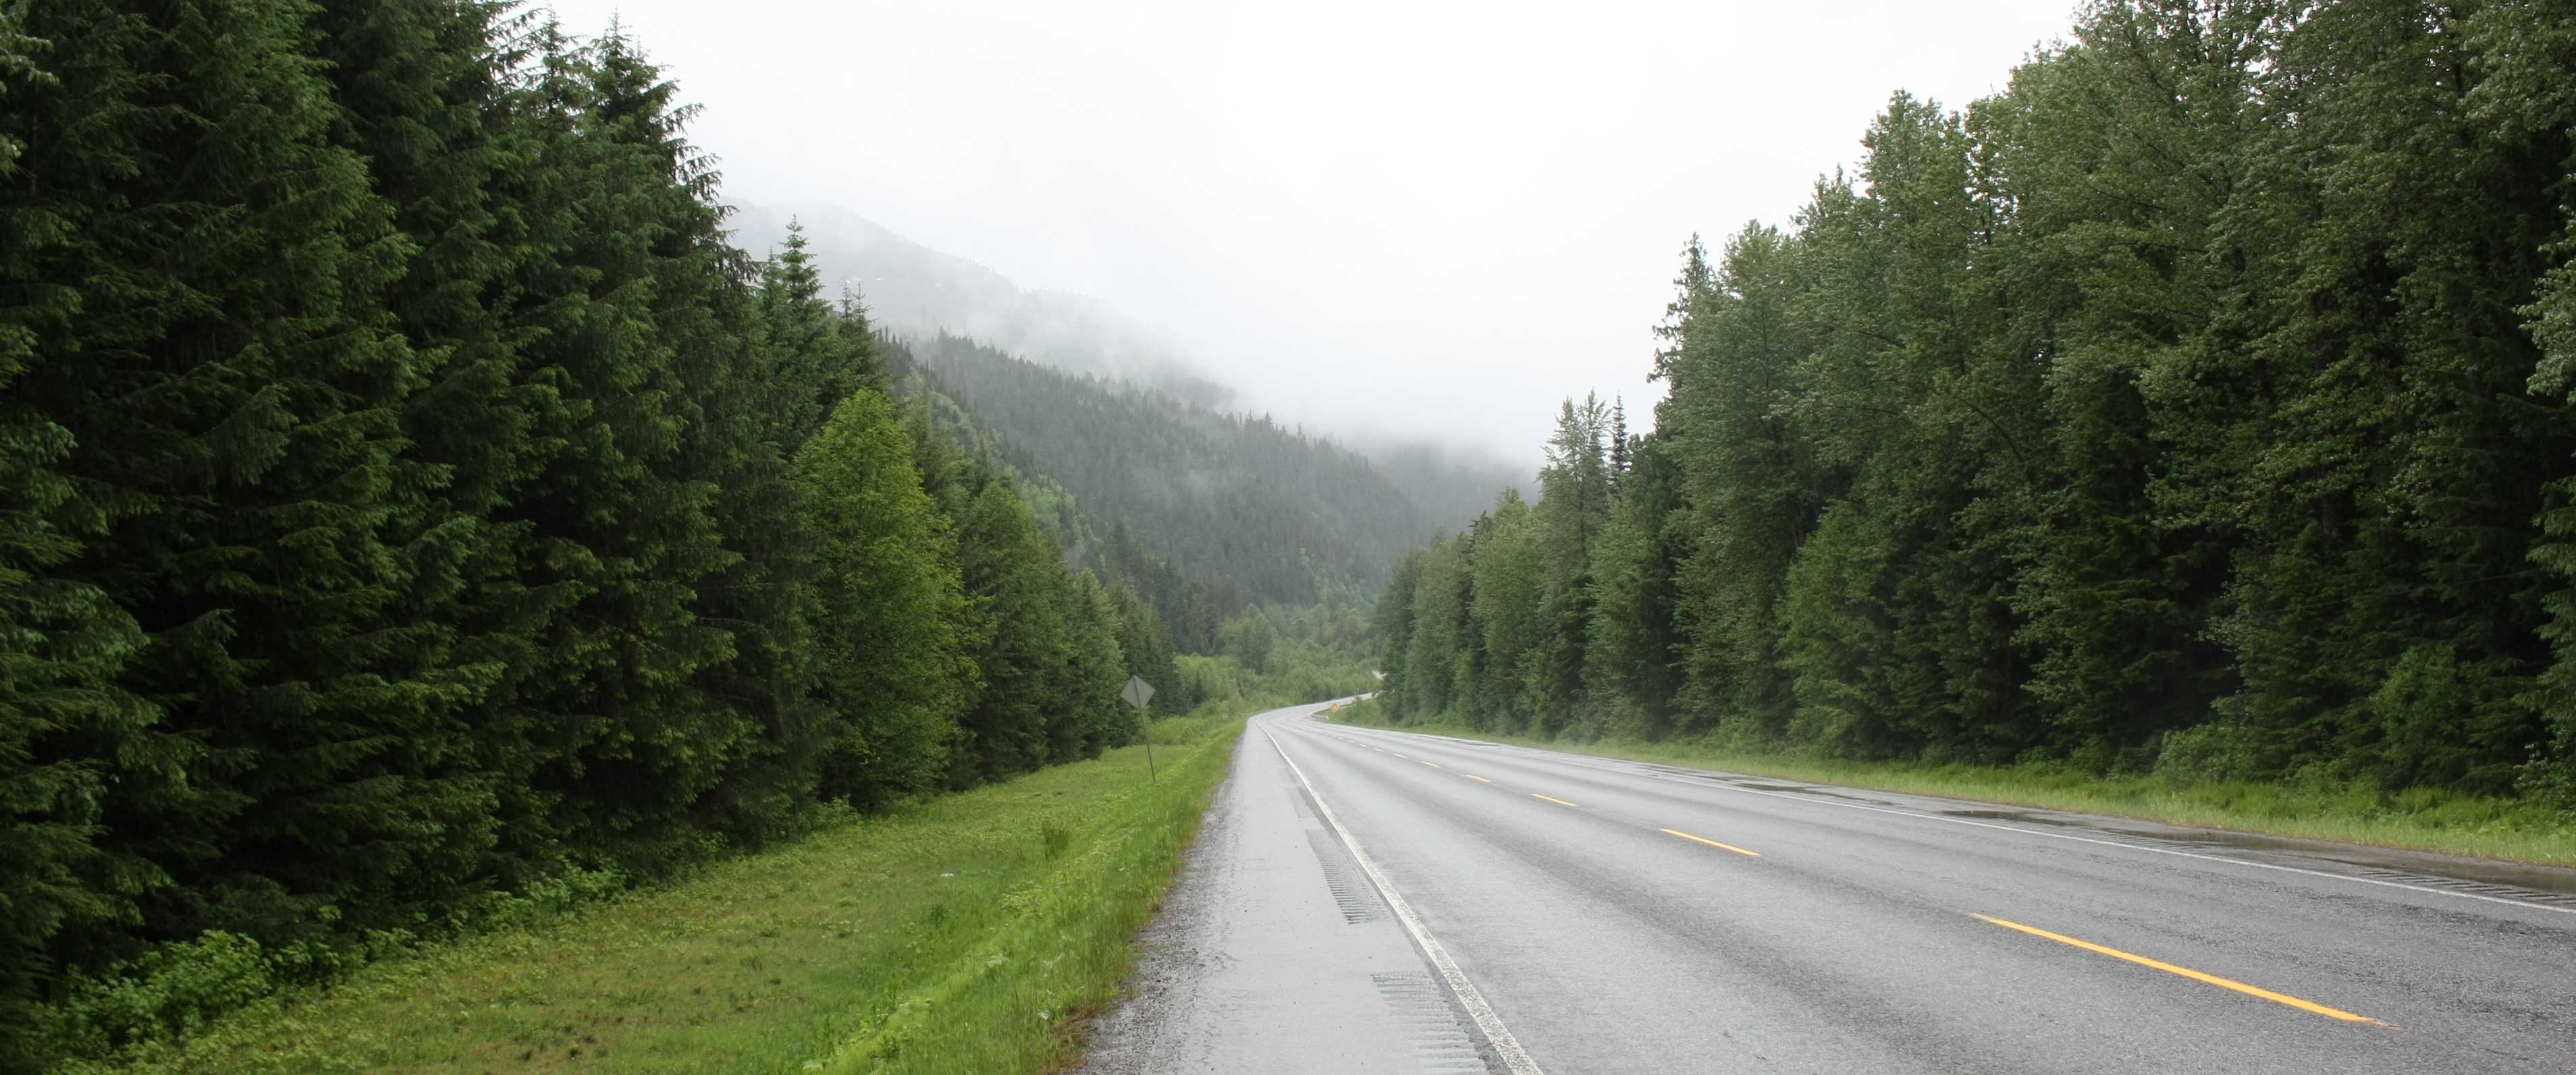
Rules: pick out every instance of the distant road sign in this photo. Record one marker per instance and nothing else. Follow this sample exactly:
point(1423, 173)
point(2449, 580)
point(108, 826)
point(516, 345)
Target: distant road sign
point(1138, 692)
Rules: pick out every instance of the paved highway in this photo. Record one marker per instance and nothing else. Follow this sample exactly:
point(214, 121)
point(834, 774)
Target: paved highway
point(1377, 901)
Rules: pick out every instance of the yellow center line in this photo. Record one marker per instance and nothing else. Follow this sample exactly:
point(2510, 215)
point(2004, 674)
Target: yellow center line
point(2223, 983)
point(1402, 756)
point(1432, 764)
point(1553, 799)
point(1713, 843)
point(1472, 776)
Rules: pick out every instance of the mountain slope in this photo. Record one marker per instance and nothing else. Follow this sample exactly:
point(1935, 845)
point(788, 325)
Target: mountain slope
point(1192, 605)
point(1279, 513)
point(1452, 488)
point(916, 292)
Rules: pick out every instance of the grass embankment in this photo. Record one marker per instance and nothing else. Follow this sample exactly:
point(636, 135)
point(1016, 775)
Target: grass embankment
point(969, 933)
point(2426, 819)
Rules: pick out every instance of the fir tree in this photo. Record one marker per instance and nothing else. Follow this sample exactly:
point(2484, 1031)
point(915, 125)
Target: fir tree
point(888, 613)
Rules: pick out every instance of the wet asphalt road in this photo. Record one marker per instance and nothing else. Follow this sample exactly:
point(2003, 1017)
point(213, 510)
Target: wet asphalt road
point(1626, 917)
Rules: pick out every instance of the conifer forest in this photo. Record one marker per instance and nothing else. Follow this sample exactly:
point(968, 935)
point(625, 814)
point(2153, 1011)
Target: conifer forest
point(409, 498)
point(416, 505)
point(2197, 404)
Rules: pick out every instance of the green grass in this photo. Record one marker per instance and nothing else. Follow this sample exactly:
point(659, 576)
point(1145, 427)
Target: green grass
point(972, 933)
point(2427, 819)
point(1191, 730)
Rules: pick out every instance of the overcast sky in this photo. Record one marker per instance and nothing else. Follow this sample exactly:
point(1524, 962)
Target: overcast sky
point(1382, 219)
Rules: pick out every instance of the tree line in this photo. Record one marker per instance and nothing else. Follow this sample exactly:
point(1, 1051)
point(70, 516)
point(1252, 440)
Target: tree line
point(408, 496)
point(1191, 604)
point(2199, 403)
point(1142, 584)
point(1235, 501)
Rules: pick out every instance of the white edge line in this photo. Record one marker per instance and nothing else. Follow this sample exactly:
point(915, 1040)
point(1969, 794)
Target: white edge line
point(1509, 1047)
point(1714, 782)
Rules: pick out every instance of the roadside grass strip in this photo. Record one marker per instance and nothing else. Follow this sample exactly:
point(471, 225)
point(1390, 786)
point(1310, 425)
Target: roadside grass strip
point(1011, 1005)
point(973, 932)
point(2197, 976)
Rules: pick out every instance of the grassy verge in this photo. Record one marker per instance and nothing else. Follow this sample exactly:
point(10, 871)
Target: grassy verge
point(2425, 819)
point(970, 933)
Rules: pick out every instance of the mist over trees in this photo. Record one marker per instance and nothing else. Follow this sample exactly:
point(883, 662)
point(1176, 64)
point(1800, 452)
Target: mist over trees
point(1276, 512)
point(1452, 486)
point(1187, 608)
point(413, 506)
point(2200, 403)
point(917, 293)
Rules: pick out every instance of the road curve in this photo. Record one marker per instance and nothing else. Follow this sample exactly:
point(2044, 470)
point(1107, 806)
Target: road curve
point(1610, 916)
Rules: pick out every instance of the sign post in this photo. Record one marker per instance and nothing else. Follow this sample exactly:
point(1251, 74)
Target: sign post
point(1137, 693)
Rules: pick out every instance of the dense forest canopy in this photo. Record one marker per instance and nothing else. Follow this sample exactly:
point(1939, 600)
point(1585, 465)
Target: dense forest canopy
point(2199, 403)
point(414, 507)
point(411, 505)
point(1181, 612)
point(1278, 513)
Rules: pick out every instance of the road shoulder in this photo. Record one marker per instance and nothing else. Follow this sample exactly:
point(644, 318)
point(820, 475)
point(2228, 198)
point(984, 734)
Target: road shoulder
point(1272, 953)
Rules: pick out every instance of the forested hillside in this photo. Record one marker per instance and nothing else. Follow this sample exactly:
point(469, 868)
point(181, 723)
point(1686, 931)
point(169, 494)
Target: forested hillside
point(939, 301)
point(1452, 486)
point(1279, 513)
point(413, 507)
point(1186, 612)
point(2200, 403)
point(918, 293)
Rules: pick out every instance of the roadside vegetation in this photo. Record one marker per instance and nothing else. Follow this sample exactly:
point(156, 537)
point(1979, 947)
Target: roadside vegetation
point(2185, 429)
point(417, 515)
point(1284, 656)
point(1223, 508)
point(973, 932)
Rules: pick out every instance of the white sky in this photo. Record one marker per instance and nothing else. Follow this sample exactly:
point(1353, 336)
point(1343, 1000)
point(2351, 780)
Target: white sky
point(1383, 219)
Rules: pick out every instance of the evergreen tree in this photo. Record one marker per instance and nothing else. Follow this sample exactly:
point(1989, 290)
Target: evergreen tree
point(2121, 155)
point(1574, 507)
point(230, 390)
point(1146, 648)
point(1440, 650)
point(2382, 614)
point(2527, 53)
point(888, 612)
point(1633, 656)
point(1392, 621)
point(1749, 477)
point(2195, 404)
point(70, 735)
point(1090, 717)
point(406, 493)
point(1507, 581)
point(1014, 585)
